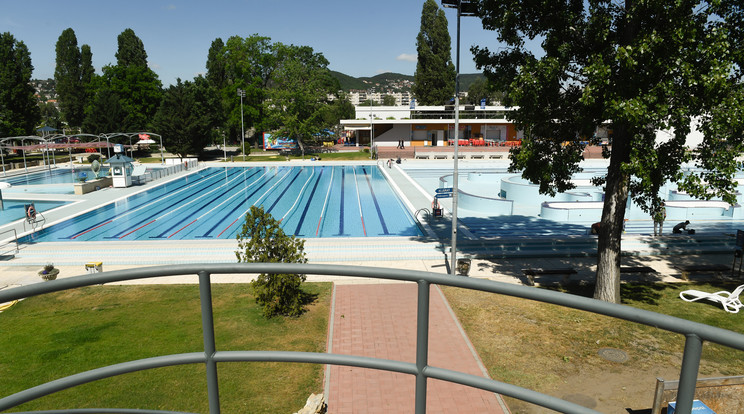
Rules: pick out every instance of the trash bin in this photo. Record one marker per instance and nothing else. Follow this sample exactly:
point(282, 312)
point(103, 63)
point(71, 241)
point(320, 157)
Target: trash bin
point(463, 266)
point(94, 267)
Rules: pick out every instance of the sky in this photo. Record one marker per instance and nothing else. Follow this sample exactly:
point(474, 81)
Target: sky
point(359, 38)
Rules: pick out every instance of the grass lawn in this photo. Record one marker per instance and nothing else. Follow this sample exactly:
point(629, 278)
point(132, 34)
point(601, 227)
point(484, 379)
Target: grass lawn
point(554, 350)
point(55, 335)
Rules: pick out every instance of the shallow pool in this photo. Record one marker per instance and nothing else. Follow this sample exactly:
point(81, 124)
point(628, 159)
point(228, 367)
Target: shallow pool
point(16, 209)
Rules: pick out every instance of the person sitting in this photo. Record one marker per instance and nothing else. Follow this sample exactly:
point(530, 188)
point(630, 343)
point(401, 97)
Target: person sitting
point(680, 226)
point(595, 228)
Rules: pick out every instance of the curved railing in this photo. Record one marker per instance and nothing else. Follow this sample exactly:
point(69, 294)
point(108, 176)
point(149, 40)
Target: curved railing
point(695, 334)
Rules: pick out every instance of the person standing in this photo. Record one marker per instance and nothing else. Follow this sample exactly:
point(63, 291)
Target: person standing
point(659, 217)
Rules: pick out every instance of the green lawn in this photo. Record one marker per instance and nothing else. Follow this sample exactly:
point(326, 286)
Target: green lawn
point(542, 346)
point(55, 335)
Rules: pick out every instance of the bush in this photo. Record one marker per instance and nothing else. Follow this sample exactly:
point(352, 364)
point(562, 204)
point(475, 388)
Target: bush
point(94, 157)
point(263, 240)
point(246, 149)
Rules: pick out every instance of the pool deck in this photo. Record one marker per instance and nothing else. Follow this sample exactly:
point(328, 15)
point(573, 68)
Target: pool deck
point(370, 317)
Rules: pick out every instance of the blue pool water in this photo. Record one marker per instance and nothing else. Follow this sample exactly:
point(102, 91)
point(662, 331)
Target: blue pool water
point(53, 176)
point(14, 209)
point(322, 201)
point(495, 202)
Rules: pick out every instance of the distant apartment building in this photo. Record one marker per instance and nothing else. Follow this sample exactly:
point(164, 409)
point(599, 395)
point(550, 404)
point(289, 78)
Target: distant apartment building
point(357, 97)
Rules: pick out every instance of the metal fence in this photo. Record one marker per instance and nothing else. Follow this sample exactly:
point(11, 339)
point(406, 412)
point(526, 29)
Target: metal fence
point(695, 334)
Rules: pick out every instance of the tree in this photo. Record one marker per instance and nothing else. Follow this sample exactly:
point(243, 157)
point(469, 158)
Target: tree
point(338, 109)
point(131, 50)
point(301, 84)
point(67, 75)
point(262, 240)
point(104, 114)
point(185, 118)
point(480, 89)
point(249, 64)
point(50, 115)
point(434, 80)
point(636, 67)
point(216, 74)
point(388, 100)
point(19, 112)
point(136, 86)
point(87, 74)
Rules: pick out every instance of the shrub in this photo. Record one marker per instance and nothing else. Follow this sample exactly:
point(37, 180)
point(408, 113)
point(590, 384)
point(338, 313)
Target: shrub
point(94, 157)
point(263, 240)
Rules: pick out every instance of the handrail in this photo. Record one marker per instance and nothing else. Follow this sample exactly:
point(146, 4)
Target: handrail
point(695, 332)
point(15, 239)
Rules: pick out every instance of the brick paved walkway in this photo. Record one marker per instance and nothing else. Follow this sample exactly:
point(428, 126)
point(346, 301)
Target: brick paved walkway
point(380, 321)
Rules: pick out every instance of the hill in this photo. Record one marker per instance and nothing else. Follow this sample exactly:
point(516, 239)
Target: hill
point(392, 82)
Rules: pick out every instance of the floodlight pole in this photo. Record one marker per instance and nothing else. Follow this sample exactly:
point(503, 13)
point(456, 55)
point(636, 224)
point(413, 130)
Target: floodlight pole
point(453, 259)
point(241, 94)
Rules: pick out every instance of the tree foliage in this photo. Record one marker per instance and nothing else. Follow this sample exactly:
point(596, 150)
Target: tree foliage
point(286, 87)
point(636, 67)
point(135, 87)
point(262, 240)
point(104, 114)
point(249, 63)
point(131, 50)
point(67, 75)
point(185, 118)
point(19, 112)
point(480, 89)
point(301, 84)
point(434, 80)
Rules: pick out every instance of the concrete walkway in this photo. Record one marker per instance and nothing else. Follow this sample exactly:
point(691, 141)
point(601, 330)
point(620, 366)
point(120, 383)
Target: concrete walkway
point(380, 321)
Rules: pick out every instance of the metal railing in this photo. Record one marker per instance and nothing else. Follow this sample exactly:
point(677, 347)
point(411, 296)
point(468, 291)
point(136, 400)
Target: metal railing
point(9, 243)
point(695, 334)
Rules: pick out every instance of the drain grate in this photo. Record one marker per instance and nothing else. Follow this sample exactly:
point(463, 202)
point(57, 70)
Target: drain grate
point(613, 355)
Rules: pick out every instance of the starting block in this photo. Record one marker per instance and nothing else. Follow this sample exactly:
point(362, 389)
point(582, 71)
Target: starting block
point(94, 267)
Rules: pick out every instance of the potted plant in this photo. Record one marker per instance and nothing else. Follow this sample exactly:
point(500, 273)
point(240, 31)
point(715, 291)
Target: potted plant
point(49, 272)
point(463, 266)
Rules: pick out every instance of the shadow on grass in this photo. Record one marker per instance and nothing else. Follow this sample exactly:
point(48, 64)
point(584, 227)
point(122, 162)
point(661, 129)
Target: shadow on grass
point(648, 293)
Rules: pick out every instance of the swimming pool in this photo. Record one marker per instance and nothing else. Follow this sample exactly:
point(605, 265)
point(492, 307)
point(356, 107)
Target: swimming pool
point(53, 176)
point(310, 201)
point(15, 209)
point(495, 202)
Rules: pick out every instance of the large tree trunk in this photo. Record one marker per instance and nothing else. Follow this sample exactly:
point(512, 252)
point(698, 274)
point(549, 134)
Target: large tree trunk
point(607, 286)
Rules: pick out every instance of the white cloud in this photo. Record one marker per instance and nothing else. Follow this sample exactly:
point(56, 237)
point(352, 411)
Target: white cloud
point(407, 57)
point(170, 7)
point(381, 71)
point(153, 65)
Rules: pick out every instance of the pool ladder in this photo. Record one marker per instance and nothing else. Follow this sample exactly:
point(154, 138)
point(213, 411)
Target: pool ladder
point(427, 213)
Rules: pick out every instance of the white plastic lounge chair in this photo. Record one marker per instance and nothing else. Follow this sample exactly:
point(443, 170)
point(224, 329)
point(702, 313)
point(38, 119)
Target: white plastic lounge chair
point(138, 174)
point(729, 301)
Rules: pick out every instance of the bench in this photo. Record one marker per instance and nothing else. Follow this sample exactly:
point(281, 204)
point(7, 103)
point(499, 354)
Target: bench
point(532, 272)
point(687, 269)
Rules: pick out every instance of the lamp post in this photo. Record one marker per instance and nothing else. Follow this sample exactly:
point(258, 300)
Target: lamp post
point(241, 94)
point(464, 8)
